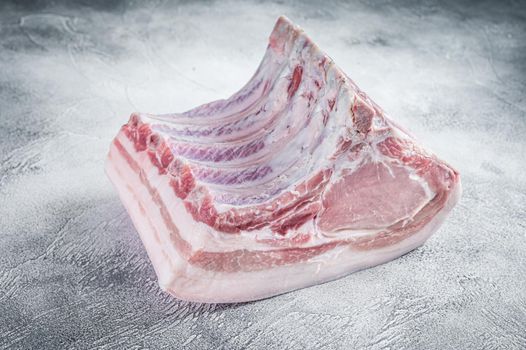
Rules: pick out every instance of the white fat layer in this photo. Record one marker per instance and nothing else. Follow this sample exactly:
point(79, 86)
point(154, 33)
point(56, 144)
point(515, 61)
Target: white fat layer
point(163, 263)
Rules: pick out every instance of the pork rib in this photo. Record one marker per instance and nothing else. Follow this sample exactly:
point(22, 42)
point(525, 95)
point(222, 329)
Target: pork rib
point(297, 179)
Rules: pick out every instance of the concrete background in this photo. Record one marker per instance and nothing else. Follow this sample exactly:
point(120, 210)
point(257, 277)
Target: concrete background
point(73, 273)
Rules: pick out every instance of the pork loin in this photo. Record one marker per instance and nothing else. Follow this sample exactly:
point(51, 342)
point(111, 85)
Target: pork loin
point(297, 179)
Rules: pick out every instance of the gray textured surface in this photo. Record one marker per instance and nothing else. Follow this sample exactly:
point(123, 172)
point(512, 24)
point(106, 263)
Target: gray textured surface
point(73, 273)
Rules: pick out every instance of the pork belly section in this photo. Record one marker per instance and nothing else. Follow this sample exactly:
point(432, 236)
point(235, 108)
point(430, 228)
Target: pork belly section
point(297, 179)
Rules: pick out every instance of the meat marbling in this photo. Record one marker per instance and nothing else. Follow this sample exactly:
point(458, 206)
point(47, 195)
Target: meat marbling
point(297, 179)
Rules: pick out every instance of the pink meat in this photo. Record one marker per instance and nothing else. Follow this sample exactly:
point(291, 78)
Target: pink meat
point(297, 179)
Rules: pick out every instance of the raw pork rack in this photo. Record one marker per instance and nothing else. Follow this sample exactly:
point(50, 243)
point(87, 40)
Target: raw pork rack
point(297, 179)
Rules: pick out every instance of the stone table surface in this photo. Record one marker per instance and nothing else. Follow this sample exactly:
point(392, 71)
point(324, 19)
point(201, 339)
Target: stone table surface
point(73, 272)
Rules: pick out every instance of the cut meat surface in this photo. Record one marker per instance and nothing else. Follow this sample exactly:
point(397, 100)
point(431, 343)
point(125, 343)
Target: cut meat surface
point(297, 179)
